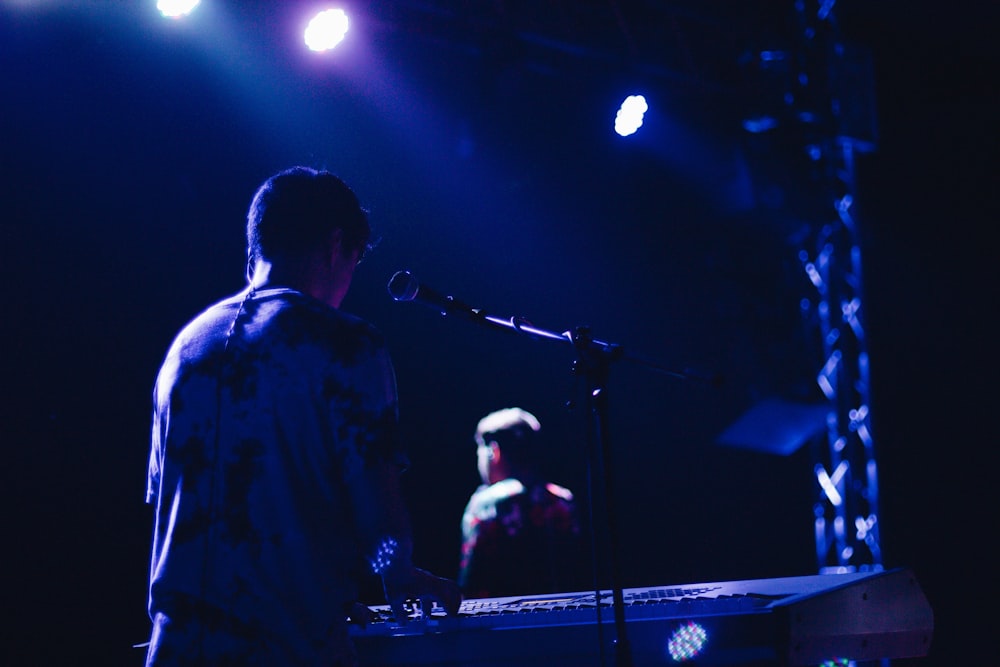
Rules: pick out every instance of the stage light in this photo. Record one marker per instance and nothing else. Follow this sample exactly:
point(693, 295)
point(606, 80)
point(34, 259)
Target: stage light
point(326, 30)
point(630, 114)
point(760, 124)
point(687, 642)
point(176, 8)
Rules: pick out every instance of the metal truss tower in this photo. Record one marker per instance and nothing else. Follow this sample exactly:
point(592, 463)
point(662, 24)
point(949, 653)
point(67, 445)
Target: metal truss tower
point(833, 101)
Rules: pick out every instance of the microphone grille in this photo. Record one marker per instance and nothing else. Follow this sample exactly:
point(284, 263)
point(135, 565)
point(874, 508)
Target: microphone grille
point(403, 286)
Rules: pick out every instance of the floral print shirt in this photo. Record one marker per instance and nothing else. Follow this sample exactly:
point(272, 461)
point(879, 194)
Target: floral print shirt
point(520, 539)
point(274, 419)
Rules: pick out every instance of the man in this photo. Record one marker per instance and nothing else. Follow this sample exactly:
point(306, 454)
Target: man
point(274, 463)
point(520, 533)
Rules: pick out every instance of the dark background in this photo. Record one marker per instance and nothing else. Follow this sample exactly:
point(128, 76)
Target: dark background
point(479, 137)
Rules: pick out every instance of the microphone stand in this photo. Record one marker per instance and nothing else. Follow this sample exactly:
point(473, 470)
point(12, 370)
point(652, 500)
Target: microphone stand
point(593, 361)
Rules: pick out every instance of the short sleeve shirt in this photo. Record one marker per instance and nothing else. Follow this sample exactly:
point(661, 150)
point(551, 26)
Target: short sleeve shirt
point(263, 405)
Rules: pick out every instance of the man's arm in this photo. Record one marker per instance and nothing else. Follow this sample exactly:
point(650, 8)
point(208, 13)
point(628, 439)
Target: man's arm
point(379, 511)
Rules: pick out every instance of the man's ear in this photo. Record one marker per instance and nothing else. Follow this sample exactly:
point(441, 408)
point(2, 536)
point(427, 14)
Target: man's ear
point(494, 452)
point(336, 240)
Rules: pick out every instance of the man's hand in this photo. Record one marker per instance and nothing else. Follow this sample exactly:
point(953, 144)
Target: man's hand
point(417, 584)
point(359, 613)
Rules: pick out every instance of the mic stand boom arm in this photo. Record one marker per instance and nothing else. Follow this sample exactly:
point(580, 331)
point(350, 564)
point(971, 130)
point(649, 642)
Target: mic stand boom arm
point(403, 286)
point(576, 338)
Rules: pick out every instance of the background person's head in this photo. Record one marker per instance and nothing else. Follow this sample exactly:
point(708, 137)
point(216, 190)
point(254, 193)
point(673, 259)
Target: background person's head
point(506, 442)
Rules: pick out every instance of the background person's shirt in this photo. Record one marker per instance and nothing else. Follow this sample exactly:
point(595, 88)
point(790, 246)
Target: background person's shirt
point(520, 540)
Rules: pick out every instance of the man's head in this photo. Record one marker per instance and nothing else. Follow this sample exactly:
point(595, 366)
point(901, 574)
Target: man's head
point(300, 221)
point(505, 442)
point(297, 209)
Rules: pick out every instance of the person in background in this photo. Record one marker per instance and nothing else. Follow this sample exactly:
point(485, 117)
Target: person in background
point(520, 532)
point(275, 459)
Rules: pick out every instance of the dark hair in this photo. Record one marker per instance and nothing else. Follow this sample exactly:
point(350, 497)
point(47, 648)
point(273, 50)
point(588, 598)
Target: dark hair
point(294, 210)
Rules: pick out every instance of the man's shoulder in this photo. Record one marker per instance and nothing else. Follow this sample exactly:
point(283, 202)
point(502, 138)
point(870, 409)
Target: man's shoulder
point(206, 330)
point(559, 491)
point(485, 499)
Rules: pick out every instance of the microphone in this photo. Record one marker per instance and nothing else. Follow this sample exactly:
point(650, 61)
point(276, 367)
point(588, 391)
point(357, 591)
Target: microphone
point(404, 286)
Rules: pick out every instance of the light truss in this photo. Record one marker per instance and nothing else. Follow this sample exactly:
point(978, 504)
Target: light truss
point(846, 511)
